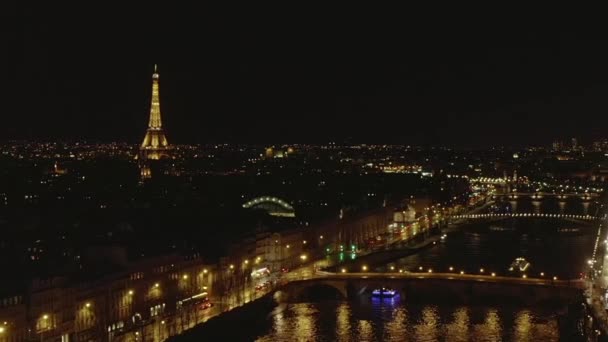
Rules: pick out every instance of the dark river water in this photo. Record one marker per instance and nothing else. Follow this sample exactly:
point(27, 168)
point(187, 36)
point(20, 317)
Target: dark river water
point(556, 248)
point(396, 320)
point(552, 247)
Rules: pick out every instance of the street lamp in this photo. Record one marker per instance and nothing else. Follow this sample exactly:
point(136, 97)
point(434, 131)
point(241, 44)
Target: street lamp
point(303, 257)
point(364, 268)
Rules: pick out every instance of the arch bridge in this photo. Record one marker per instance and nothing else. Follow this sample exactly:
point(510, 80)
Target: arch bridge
point(273, 205)
point(588, 196)
point(464, 287)
point(585, 218)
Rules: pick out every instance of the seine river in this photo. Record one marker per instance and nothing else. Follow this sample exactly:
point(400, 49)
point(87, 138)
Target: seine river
point(555, 248)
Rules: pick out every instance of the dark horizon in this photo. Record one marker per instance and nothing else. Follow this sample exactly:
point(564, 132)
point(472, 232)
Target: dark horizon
point(227, 81)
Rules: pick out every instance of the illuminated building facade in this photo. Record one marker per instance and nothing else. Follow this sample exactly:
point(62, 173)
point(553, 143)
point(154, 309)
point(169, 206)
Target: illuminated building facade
point(155, 145)
point(148, 301)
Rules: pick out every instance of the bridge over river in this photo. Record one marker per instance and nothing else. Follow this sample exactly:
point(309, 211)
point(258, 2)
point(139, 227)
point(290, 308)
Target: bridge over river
point(462, 287)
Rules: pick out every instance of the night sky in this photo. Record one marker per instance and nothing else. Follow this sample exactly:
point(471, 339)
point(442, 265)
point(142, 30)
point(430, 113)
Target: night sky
point(227, 78)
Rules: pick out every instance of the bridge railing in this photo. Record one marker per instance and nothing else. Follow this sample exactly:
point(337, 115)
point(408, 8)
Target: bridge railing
point(532, 215)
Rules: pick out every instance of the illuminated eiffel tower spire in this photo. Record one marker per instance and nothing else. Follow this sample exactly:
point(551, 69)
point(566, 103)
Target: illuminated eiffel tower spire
point(155, 144)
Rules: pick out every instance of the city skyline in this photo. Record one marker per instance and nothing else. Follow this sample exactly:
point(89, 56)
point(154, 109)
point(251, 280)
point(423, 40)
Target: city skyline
point(452, 85)
point(311, 177)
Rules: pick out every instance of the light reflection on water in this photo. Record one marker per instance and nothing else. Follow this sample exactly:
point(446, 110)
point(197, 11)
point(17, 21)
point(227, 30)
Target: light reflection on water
point(385, 320)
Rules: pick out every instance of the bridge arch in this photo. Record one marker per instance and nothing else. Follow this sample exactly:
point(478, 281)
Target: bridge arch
point(316, 289)
point(272, 205)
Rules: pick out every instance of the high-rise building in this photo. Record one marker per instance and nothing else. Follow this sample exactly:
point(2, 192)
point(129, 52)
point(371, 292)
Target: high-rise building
point(155, 145)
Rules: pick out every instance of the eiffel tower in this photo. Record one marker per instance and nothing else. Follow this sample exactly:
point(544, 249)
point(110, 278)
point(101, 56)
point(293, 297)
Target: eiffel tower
point(155, 145)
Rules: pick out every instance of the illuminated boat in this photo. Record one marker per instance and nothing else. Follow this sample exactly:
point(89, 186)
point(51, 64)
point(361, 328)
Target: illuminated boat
point(384, 292)
point(520, 264)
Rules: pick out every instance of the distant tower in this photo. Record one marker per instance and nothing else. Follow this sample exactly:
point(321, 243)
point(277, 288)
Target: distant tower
point(155, 144)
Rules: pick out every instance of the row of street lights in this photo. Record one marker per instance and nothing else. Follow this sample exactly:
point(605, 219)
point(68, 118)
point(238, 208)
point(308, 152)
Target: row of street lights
point(364, 268)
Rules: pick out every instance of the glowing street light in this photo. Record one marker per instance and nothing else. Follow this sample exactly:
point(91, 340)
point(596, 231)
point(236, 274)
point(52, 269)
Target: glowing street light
point(88, 305)
point(205, 271)
point(493, 274)
point(392, 268)
point(364, 268)
point(231, 266)
point(156, 285)
point(554, 278)
point(451, 268)
point(131, 292)
point(45, 317)
point(542, 274)
point(430, 270)
point(461, 272)
point(481, 270)
point(344, 270)
point(303, 257)
point(185, 276)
